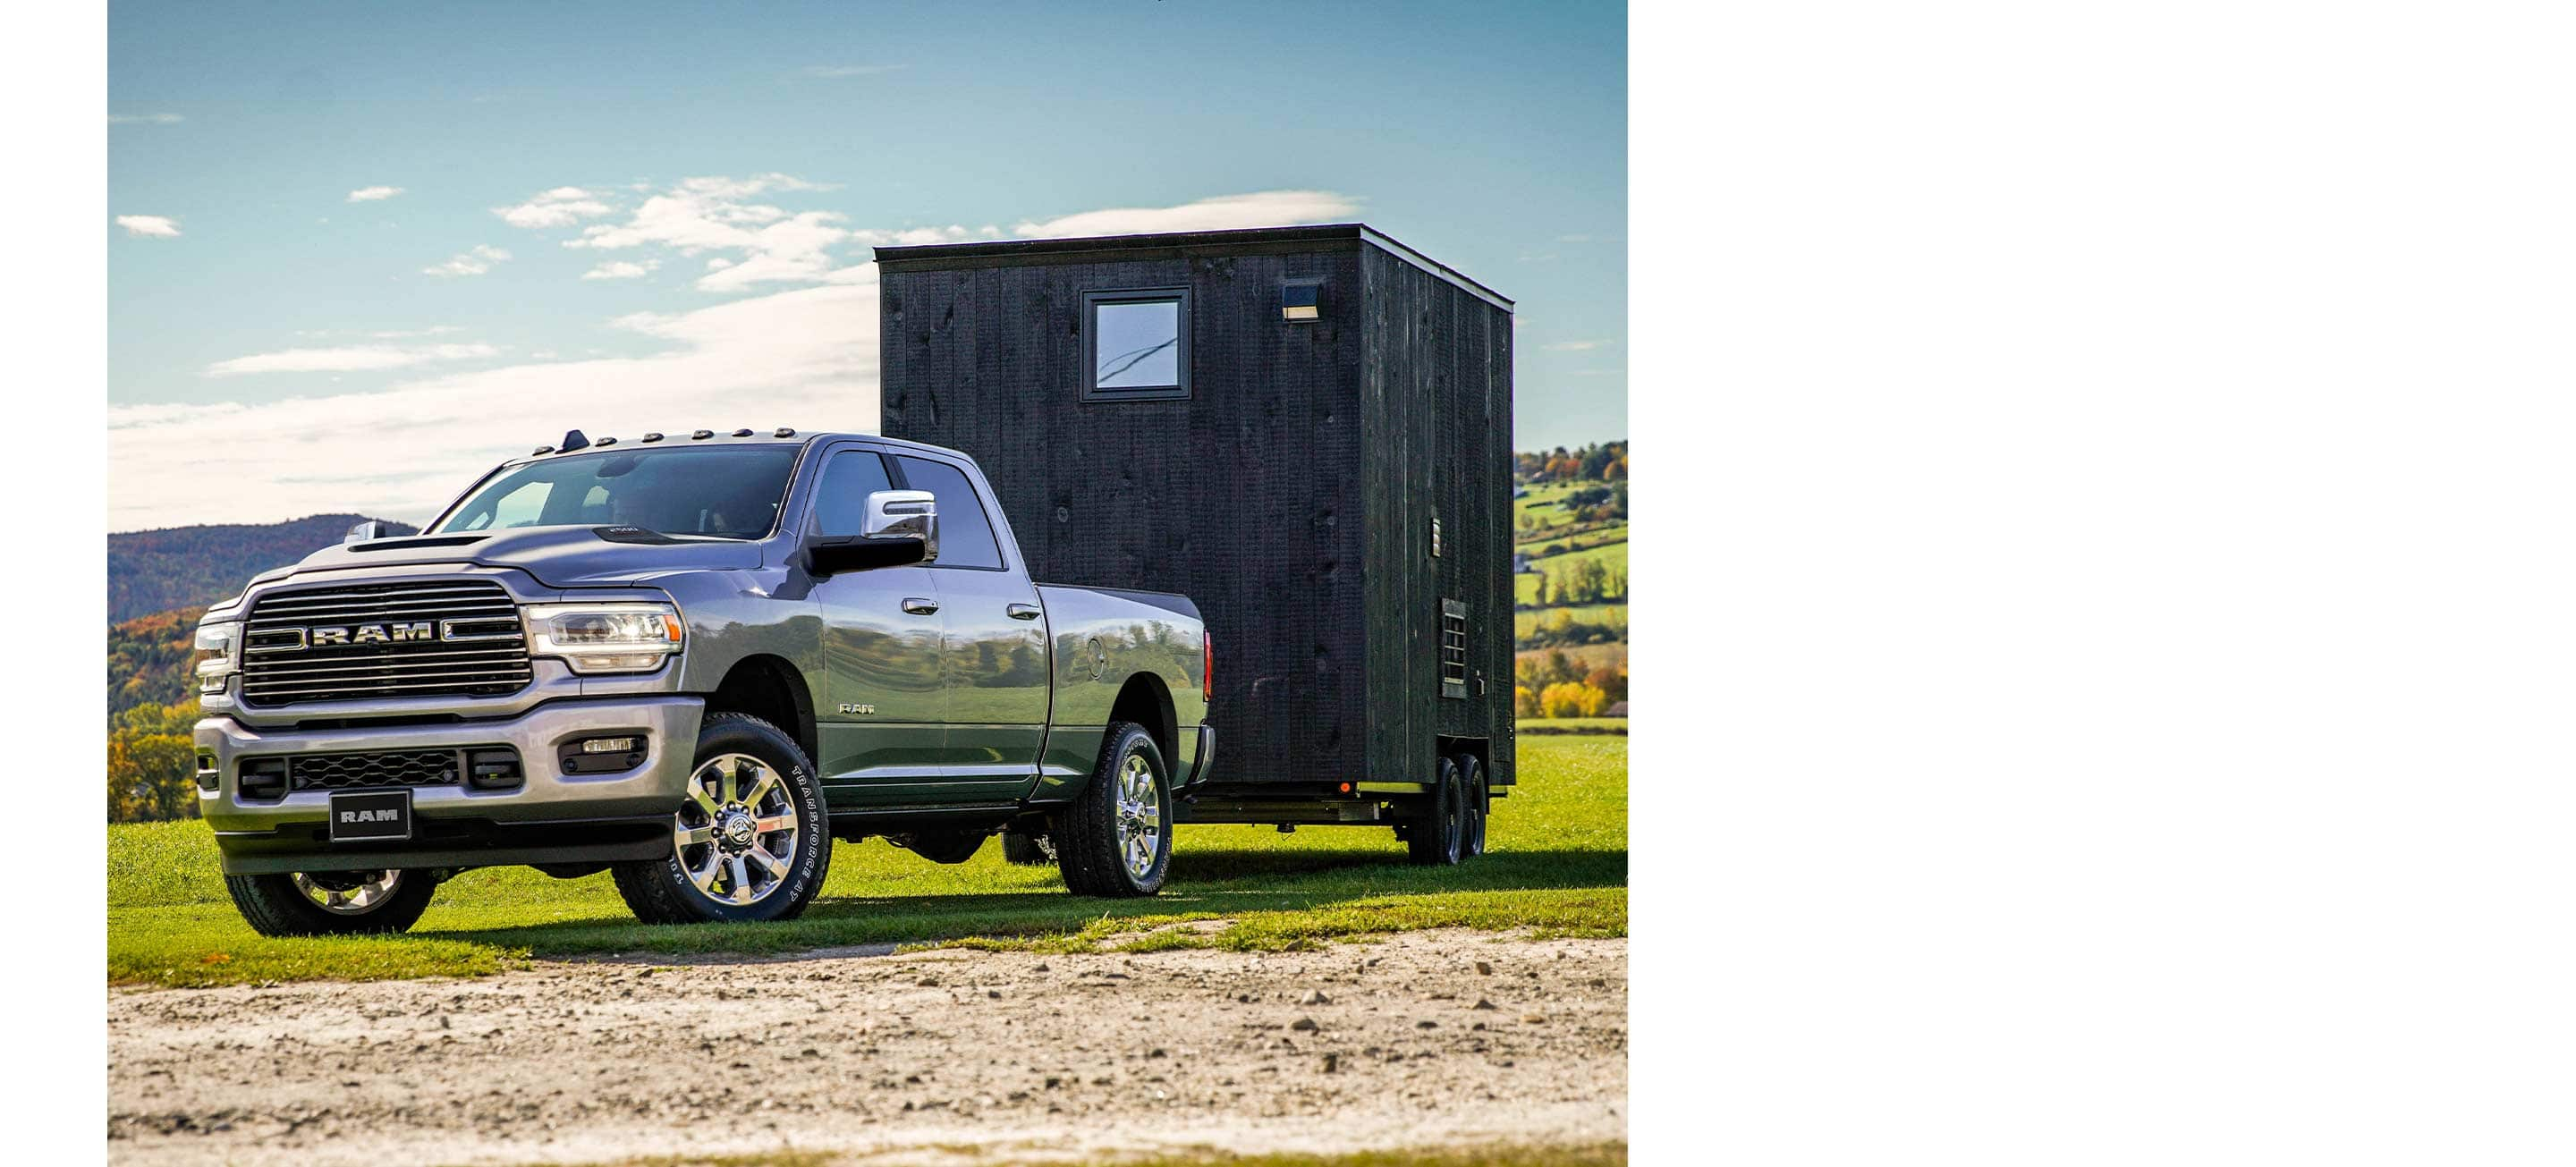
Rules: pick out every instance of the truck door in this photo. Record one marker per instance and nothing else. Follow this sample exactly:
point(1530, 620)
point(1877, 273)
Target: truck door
point(996, 650)
point(883, 721)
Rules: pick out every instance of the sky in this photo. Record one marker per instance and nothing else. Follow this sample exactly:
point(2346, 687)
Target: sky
point(358, 254)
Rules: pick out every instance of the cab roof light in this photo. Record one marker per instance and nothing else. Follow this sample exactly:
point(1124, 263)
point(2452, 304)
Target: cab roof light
point(605, 442)
point(785, 431)
point(655, 436)
point(742, 433)
point(701, 435)
point(542, 450)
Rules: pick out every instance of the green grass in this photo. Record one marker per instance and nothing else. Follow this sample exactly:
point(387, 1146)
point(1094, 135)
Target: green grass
point(1565, 725)
point(1559, 865)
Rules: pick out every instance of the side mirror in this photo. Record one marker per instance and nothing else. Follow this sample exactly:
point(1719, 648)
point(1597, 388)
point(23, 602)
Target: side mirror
point(370, 529)
point(899, 528)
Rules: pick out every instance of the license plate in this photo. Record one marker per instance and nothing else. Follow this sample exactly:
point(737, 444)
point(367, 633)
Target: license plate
point(366, 816)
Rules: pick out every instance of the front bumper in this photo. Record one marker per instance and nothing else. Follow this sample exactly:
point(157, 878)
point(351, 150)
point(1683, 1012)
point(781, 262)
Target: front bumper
point(552, 817)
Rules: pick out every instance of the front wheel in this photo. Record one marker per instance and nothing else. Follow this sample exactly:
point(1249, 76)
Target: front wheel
point(1116, 839)
point(332, 903)
point(750, 842)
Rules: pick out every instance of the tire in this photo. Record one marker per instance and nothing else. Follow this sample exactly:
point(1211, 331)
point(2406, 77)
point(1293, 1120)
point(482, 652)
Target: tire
point(940, 846)
point(1028, 850)
point(1115, 840)
point(1434, 840)
point(751, 784)
point(332, 903)
point(1479, 803)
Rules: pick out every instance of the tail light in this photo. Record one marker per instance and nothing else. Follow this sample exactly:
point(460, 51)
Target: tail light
point(1207, 666)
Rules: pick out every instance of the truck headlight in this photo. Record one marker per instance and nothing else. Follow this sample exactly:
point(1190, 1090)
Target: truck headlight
point(218, 655)
point(605, 638)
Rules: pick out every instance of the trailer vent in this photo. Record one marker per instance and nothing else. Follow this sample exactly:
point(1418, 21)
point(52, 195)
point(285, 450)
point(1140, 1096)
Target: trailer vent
point(1453, 649)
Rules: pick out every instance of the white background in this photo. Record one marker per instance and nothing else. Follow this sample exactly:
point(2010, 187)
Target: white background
point(2104, 604)
point(2105, 620)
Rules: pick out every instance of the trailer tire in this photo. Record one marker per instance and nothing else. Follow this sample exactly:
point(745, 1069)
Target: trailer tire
point(1028, 850)
point(1471, 842)
point(299, 904)
point(1126, 805)
point(1434, 840)
point(669, 891)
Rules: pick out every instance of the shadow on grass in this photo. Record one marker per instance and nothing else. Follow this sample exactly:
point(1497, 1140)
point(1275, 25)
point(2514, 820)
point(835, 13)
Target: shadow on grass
point(1318, 893)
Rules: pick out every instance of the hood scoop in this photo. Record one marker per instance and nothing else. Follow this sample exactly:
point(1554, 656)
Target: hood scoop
point(415, 544)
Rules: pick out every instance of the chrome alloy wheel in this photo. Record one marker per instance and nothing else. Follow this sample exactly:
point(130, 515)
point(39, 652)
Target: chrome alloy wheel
point(1140, 816)
point(348, 893)
point(737, 833)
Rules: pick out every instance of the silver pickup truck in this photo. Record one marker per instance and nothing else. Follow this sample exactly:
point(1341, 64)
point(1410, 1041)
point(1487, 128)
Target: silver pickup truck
point(691, 661)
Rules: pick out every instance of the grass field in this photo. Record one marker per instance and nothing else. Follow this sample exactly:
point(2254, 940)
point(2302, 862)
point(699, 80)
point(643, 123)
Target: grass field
point(1558, 864)
point(1575, 725)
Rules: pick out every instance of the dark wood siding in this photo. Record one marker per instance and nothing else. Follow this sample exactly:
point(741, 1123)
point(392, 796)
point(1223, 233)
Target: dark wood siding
point(1289, 496)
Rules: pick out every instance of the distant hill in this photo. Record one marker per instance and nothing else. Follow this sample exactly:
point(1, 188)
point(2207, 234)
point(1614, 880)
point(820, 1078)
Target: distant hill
point(177, 567)
point(147, 659)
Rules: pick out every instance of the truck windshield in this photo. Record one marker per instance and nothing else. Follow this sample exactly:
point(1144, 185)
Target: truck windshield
point(728, 492)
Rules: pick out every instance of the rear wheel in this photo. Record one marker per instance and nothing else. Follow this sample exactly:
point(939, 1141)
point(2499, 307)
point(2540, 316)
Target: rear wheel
point(1028, 850)
point(332, 903)
point(1471, 770)
point(752, 840)
point(1116, 839)
point(1434, 840)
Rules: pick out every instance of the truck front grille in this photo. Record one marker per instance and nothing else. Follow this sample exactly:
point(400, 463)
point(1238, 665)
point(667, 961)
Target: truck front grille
point(384, 768)
point(368, 641)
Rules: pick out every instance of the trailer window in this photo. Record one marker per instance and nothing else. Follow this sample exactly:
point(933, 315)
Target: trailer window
point(1136, 344)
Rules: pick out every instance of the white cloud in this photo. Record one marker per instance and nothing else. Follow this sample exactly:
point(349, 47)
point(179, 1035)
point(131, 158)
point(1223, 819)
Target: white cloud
point(1269, 208)
point(714, 214)
point(806, 358)
point(1576, 346)
point(917, 236)
point(622, 270)
point(561, 207)
point(355, 358)
point(469, 263)
point(144, 119)
point(370, 194)
point(849, 70)
point(156, 226)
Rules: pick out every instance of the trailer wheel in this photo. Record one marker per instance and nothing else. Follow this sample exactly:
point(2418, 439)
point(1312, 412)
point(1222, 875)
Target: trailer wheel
point(1471, 842)
point(1434, 841)
point(1116, 839)
point(1028, 850)
point(332, 903)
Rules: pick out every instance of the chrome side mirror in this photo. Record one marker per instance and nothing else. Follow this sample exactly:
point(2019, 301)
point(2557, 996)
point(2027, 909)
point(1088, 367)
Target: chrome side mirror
point(903, 514)
point(370, 529)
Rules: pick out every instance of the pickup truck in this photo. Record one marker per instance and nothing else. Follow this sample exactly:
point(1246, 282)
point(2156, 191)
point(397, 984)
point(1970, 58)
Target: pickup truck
point(692, 662)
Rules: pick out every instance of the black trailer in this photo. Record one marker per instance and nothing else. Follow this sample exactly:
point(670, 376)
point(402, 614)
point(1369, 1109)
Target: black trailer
point(1307, 430)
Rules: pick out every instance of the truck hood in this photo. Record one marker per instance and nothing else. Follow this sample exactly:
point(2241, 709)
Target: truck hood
point(559, 557)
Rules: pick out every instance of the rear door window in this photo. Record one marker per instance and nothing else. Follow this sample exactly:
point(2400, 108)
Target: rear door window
point(965, 533)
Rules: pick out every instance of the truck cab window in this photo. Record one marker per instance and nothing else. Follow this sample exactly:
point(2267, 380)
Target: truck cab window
point(965, 534)
point(841, 500)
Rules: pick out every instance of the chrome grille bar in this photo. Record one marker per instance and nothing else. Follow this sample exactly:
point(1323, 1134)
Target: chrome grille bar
point(496, 663)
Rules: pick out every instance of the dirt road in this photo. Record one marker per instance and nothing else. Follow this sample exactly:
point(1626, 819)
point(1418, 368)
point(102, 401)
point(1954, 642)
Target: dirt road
point(917, 1058)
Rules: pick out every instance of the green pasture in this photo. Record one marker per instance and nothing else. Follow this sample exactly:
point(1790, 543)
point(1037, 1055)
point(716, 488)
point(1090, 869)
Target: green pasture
point(1558, 866)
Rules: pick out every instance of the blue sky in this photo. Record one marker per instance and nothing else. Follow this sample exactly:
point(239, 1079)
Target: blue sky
point(357, 253)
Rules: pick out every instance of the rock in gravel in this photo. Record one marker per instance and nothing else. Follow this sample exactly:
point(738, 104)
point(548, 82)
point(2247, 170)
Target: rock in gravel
point(1314, 997)
point(1332, 1063)
point(1304, 1025)
point(1482, 1003)
point(1426, 1025)
point(1483, 969)
point(1534, 1018)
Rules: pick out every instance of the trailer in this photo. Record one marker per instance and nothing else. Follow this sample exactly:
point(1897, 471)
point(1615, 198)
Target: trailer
point(1305, 429)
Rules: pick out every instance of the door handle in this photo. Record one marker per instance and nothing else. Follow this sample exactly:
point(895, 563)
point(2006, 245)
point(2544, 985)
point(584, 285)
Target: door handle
point(918, 606)
point(1023, 611)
